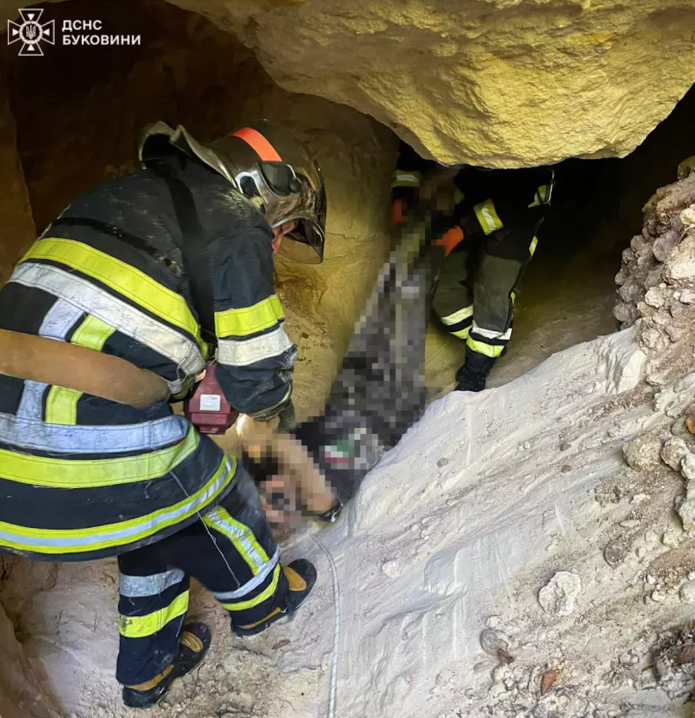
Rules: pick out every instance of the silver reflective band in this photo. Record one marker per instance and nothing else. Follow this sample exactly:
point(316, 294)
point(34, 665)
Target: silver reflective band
point(31, 403)
point(143, 586)
point(491, 333)
point(26, 432)
point(125, 318)
point(146, 527)
point(256, 581)
point(250, 351)
point(59, 320)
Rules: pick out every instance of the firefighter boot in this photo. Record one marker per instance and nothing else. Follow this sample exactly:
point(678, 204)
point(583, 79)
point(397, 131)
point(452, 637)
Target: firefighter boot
point(473, 374)
point(301, 577)
point(195, 641)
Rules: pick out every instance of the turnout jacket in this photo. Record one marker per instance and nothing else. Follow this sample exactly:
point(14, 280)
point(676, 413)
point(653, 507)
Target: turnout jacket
point(82, 477)
point(488, 201)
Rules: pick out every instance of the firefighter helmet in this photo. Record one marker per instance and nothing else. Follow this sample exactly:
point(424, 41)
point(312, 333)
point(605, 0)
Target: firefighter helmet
point(270, 166)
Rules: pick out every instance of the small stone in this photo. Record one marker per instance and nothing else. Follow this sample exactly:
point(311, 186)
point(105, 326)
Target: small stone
point(442, 462)
point(565, 445)
point(526, 445)
point(639, 498)
point(630, 524)
point(673, 452)
point(642, 453)
point(686, 510)
point(558, 596)
point(658, 596)
point(687, 593)
point(566, 469)
point(493, 622)
point(691, 576)
point(688, 466)
point(650, 536)
point(671, 537)
point(493, 643)
point(641, 552)
point(685, 654)
point(650, 580)
point(687, 296)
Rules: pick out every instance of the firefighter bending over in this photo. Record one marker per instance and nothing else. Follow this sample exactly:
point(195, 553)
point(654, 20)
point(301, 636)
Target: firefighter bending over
point(84, 477)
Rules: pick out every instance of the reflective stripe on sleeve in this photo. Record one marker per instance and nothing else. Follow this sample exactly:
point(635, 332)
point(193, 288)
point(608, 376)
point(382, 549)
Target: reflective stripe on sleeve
point(249, 320)
point(249, 351)
point(487, 217)
point(405, 179)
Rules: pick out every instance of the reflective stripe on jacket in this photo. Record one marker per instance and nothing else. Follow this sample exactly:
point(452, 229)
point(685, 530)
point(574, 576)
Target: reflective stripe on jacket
point(81, 477)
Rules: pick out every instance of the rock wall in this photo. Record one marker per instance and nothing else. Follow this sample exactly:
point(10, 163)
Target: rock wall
point(190, 72)
point(16, 223)
point(490, 82)
point(21, 694)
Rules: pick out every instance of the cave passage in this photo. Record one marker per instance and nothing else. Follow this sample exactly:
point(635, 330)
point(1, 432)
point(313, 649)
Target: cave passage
point(568, 292)
point(78, 116)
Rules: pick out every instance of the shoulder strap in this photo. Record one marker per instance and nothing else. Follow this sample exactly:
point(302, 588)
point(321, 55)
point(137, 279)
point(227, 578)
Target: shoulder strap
point(196, 262)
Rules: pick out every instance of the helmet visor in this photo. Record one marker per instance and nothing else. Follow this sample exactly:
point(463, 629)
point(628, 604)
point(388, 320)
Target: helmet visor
point(306, 242)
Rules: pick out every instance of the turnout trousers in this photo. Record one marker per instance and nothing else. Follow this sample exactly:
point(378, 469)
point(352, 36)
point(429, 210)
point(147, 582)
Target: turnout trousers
point(230, 550)
point(474, 297)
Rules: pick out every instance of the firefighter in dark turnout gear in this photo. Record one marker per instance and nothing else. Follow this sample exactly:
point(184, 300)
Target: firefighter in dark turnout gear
point(488, 243)
point(83, 477)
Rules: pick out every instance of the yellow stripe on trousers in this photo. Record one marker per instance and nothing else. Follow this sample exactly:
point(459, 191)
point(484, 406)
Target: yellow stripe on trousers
point(132, 283)
point(97, 538)
point(91, 473)
point(61, 403)
point(263, 596)
point(143, 626)
point(241, 537)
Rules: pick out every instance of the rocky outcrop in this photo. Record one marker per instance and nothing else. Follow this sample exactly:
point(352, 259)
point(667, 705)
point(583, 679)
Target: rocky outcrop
point(492, 82)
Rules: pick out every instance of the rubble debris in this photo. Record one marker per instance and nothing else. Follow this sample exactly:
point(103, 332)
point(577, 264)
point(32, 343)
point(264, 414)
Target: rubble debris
point(673, 452)
point(643, 453)
point(558, 596)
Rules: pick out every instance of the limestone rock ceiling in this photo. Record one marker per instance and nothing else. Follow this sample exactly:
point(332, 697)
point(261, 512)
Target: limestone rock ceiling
point(492, 82)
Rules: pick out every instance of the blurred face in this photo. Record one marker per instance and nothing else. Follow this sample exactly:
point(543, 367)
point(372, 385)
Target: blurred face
point(280, 231)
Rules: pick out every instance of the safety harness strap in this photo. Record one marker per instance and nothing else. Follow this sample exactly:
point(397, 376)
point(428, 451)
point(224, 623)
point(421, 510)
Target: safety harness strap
point(195, 246)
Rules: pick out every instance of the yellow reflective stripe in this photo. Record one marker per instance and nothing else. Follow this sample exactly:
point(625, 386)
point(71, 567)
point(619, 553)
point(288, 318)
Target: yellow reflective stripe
point(462, 333)
point(240, 535)
point(263, 596)
point(92, 473)
point(542, 196)
point(61, 403)
point(532, 247)
point(487, 349)
point(143, 626)
point(487, 216)
point(249, 320)
point(458, 195)
point(401, 178)
point(92, 334)
point(128, 281)
point(458, 316)
point(51, 541)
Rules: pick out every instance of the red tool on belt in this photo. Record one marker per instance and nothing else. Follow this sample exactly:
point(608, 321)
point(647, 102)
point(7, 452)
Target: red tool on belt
point(207, 409)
